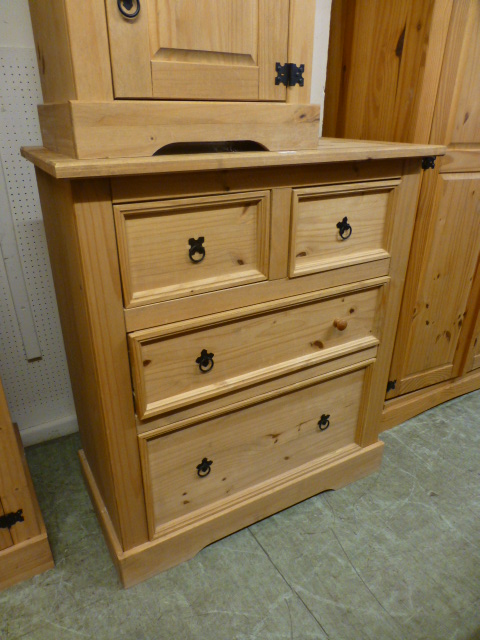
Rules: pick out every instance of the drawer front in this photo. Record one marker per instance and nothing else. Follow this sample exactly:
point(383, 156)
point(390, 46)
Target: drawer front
point(182, 247)
point(338, 226)
point(193, 362)
point(250, 446)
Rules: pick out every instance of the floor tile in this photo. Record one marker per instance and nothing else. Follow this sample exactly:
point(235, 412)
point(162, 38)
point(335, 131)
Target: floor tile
point(393, 556)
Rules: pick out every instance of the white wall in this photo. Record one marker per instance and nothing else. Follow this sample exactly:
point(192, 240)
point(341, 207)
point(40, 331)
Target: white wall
point(15, 25)
point(33, 366)
point(38, 390)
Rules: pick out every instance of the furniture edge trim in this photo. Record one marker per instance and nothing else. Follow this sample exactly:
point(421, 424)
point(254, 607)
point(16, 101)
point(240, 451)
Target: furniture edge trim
point(26, 560)
point(400, 409)
point(63, 167)
point(160, 554)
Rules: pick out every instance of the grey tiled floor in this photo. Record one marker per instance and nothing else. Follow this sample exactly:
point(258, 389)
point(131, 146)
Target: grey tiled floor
point(394, 556)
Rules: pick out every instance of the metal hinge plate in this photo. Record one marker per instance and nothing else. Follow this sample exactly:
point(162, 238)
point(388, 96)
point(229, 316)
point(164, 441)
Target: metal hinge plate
point(9, 519)
point(428, 162)
point(289, 74)
point(391, 385)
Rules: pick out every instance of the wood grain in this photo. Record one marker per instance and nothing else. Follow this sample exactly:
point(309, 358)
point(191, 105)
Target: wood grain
point(206, 50)
point(300, 47)
point(466, 117)
point(5, 537)
point(129, 52)
point(405, 407)
point(154, 245)
point(15, 491)
point(275, 437)
point(132, 128)
point(435, 301)
point(279, 232)
point(404, 204)
point(71, 43)
point(25, 560)
point(272, 47)
point(265, 293)
point(326, 151)
point(349, 465)
point(316, 243)
point(199, 412)
point(384, 68)
point(454, 61)
point(24, 548)
point(81, 237)
point(278, 367)
point(287, 340)
point(52, 47)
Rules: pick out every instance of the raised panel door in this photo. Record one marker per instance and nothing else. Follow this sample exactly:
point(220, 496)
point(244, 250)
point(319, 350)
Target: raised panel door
point(199, 49)
point(442, 267)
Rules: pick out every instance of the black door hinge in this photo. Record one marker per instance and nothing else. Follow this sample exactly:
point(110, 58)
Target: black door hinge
point(391, 385)
point(428, 162)
point(9, 519)
point(289, 74)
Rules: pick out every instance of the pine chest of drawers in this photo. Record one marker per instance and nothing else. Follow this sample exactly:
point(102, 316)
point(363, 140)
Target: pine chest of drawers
point(228, 321)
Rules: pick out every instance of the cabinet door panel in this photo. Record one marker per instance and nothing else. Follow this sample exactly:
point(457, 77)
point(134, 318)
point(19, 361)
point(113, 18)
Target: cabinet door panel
point(199, 49)
point(442, 265)
point(466, 127)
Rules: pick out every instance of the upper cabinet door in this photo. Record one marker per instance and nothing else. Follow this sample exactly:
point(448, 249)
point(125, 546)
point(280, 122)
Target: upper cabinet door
point(198, 49)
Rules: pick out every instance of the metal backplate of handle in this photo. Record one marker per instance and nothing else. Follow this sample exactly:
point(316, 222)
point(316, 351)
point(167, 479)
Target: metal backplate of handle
point(205, 361)
point(344, 229)
point(204, 468)
point(129, 8)
point(324, 421)
point(196, 253)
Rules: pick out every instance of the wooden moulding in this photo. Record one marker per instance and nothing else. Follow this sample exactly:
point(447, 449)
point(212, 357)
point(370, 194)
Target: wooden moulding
point(400, 409)
point(333, 472)
point(139, 128)
point(25, 560)
point(327, 151)
point(280, 354)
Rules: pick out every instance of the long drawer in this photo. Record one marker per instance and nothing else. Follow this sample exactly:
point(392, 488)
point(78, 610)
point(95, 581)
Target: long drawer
point(188, 470)
point(188, 362)
point(176, 248)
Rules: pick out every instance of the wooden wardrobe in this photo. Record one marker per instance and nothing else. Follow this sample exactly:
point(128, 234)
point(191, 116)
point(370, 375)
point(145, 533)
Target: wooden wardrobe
point(410, 71)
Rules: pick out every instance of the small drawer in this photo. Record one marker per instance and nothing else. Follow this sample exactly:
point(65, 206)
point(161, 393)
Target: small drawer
point(212, 462)
point(195, 360)
point(338, 226)
point(178, 248)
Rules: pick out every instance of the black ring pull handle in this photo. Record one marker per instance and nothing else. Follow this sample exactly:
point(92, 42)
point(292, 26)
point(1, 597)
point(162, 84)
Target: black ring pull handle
point(196, 249)
point(344, 229)
point(204, 468)
point(125, 7)
point(324, 421)
point(205, 361)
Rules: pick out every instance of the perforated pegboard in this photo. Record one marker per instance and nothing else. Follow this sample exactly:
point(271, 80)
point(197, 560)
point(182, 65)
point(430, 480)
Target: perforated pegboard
point(37, 392)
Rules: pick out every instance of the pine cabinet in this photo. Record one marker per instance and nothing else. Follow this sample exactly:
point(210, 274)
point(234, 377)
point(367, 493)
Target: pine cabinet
point(144, 74)
point(412, 74)
point(229, 323)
